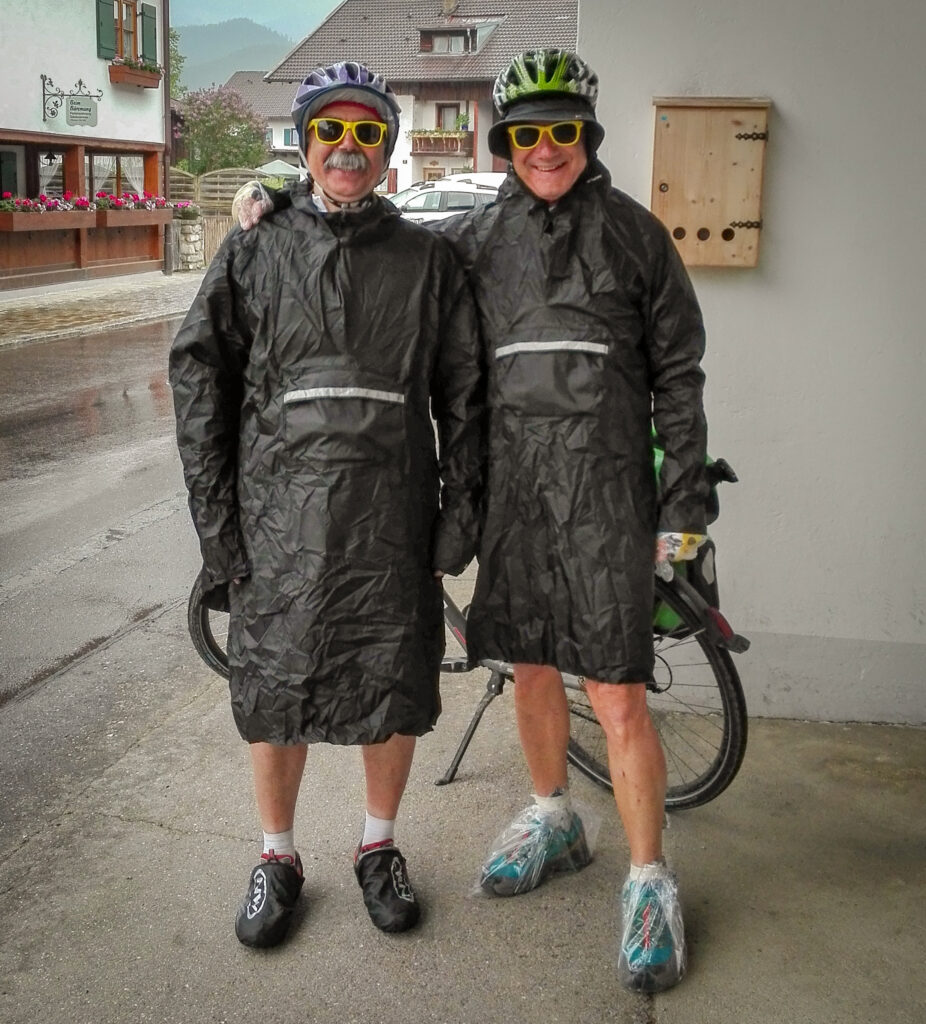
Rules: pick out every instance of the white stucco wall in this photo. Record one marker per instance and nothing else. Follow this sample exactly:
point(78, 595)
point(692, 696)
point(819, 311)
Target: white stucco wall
point(816, 360)
point(402, 154)
point(68, 54)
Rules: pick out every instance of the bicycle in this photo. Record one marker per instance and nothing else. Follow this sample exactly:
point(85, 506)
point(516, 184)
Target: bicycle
point(696, 699)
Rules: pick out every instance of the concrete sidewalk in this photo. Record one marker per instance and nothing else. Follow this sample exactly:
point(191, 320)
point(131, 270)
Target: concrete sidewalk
point(88, 307)
point(128, 833)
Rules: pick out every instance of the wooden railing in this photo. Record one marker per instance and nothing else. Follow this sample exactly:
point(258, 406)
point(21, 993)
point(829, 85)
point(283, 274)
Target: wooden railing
point(425, 143)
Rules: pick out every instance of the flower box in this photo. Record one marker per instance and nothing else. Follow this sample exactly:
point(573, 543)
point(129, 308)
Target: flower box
point(122, 74)
point(439, 141)
point(132, 218)
point(64, 220)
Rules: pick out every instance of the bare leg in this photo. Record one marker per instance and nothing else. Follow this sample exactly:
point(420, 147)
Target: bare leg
point(386, 767)
point(543, 725)
point(277, 775)
point(637, 763)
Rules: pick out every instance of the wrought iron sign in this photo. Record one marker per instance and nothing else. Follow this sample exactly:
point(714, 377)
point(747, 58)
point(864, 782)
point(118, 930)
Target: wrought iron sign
point(80, 104)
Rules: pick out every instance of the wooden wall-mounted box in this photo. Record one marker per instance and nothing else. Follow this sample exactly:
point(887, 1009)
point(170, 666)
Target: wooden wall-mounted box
point(708, 162)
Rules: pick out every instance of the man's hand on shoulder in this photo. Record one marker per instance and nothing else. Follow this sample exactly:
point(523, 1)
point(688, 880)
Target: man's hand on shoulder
point(251, 202)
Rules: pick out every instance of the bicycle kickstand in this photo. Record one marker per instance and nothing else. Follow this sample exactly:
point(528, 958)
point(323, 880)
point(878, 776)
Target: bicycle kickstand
point(494, 687)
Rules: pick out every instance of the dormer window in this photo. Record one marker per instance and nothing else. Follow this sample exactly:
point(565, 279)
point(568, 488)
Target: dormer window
point(467, 38)
point(448, 42)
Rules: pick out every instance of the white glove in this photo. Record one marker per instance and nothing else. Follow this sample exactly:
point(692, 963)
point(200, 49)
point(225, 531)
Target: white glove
point(678, 547)
point(251, 202)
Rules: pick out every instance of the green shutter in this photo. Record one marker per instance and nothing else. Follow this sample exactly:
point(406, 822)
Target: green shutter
point(105, 29)
point(149, 33)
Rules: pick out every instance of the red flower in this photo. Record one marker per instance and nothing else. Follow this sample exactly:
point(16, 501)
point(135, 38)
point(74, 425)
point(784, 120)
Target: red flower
point(7, 195)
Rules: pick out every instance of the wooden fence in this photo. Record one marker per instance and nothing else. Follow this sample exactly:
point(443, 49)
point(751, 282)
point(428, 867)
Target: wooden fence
point(212, 192)
point(215, 228)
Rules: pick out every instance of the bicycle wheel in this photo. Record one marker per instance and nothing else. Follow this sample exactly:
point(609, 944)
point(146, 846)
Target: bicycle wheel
point(208, 631)
point(696, 704)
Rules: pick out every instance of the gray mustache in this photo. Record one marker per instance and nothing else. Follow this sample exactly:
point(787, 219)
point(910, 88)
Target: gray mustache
point(346, 160)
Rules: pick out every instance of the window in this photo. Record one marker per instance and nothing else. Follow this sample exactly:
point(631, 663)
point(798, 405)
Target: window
point(126, 17)
point(126, 28)
point(460, 200)
point(447, 114)
point(447, 42)
point(426, 201)
point(268, 138)
point(290, 137)
point(10, 162)
point(114, 173)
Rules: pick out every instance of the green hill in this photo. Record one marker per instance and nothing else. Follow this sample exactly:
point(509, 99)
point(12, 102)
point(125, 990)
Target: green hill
point(215, 52)
point(293, 20)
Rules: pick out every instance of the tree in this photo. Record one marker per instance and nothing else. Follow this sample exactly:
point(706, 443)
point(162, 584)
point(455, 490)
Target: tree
point(222, 131)
point(177, 60)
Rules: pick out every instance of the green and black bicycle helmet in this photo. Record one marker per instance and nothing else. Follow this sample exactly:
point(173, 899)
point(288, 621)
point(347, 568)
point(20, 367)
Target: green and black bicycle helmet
point(545, 85)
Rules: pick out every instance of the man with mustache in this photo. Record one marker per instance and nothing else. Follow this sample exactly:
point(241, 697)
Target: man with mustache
point(305, 377)
point(594, 338)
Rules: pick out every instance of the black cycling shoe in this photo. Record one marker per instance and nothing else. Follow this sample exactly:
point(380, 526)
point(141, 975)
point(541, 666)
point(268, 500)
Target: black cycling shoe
point(264, 916)
point(387, 892)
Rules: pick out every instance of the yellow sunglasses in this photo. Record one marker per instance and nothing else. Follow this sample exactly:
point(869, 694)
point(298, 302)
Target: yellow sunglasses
point(528, 136)
point(330, 131)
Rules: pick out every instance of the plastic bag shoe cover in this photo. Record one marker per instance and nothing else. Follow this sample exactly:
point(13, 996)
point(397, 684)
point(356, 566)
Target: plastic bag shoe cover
point(652, 955)
point(531, 849)
point(387, 892)
point(263, 918)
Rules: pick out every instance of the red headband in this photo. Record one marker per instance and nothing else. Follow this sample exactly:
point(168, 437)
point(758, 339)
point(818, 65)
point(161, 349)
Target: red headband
point(368, 113)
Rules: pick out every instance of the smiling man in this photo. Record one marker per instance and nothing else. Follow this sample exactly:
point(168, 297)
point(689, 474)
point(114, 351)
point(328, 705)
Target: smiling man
point(305, 377)
point(594, 336)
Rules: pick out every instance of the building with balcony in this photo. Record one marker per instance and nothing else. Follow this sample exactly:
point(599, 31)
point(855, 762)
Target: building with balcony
point(441, 59)
point(83, 108)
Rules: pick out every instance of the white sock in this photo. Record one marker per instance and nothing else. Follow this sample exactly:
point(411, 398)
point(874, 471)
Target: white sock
point(556, 808)
point(282, 844)
point(645, 872)
point(377, 830)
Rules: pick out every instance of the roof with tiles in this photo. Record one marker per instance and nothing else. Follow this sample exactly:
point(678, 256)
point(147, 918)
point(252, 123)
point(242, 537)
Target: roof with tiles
point(267, 99)
point(385, 35)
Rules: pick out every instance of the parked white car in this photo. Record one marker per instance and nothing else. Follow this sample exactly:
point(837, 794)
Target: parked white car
point(493, 178)
point(434, 200)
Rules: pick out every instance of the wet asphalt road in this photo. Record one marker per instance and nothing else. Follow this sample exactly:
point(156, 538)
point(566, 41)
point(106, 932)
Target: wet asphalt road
point(94, 533)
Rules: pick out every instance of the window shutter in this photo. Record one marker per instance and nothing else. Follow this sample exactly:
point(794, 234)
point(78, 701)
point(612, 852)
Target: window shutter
point(105, 29)
point(149, 33)
point(427, 43)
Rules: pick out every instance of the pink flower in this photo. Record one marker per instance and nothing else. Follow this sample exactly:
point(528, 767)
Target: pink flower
point(101, 195)
point(7, 195)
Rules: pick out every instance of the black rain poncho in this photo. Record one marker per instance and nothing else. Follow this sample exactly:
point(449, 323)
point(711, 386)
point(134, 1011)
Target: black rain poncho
point(592, 332)
point(304, 377)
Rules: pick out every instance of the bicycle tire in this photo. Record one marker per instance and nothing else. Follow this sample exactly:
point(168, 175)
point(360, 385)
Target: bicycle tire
point(697, 706)
point(208, 631)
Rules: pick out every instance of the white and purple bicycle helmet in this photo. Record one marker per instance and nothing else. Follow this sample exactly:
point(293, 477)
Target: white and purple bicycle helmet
point(351, 82)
